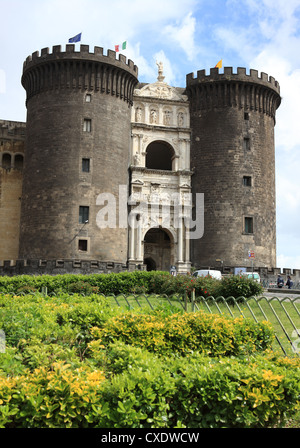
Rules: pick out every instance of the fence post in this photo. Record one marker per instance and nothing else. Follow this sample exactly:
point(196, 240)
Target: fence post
point(185, 300)
point(193, 299)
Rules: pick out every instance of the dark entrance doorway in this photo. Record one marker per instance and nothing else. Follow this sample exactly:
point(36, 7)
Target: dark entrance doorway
point(159, 156)
point(150, 264)
point(157, 250)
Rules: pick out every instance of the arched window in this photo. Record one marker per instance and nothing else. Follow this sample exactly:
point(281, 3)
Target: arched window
point(159, 156)
point(6, 161)
point(19, 161)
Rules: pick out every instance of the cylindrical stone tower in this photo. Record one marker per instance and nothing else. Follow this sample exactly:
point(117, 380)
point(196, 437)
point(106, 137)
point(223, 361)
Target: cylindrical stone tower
point(77, 147)
point(233, 159)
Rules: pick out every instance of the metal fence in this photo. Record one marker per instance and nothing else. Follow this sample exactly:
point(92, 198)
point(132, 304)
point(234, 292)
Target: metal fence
point(282, 313)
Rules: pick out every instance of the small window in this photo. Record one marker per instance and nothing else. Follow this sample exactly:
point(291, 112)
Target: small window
point(247, 144)
point(19, 162)
point(6, 161)
point(85, 165)
point(247, 181)
point(83, 214)
point(82, 245)
point(88, 98)
point(246, 116)
point(87, 125)
point(248, 225)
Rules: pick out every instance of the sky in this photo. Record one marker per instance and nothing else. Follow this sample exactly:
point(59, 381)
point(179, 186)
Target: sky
point(187, 36)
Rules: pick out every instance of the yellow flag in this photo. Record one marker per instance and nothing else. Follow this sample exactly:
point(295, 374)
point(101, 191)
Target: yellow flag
point(219, 64)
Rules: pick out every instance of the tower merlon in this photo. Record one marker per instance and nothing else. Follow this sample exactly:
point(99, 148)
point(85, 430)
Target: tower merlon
point(83, 54)
point(228, 75)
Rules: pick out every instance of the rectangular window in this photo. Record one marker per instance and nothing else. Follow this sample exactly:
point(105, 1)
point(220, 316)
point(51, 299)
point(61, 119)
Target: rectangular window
point(246, 116)
point(88, 98)
point(87, 125)
point(85, 165)
point(248, 225)
point(82, 245)
point(83, 214)
point(247, 144)
point(247, 181)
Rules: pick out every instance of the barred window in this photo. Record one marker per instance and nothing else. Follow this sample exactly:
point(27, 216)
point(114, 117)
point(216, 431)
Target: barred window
point(85, 165)
point(247, 181)
point(247, 144)
point(248, 225)
point(87, 125)
point(83, 214)
point(82, 245)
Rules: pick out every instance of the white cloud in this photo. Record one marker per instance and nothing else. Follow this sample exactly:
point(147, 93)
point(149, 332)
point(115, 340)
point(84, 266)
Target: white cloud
point(183, 35)
point(146, 68)
point(236, 40)
point(286, 261)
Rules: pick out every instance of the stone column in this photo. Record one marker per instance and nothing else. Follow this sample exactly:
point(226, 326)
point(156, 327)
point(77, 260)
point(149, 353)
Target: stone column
point(180, 241)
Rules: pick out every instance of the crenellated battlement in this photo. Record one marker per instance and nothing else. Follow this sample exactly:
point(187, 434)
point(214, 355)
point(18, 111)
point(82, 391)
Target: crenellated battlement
point(228, 89)
point(229, 75)
point(59, 266)
point(81, 70)
point(84, 54)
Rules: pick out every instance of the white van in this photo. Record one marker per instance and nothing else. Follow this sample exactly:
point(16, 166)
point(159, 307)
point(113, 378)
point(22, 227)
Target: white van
point(255, 276)
point(206, 272)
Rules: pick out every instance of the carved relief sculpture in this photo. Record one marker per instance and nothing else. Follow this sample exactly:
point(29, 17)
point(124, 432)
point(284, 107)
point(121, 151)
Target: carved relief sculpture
point(153, 116)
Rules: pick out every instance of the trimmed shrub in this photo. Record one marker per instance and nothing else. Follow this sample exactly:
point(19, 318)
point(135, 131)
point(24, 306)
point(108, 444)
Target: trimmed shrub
point(148, 391)
point(26, 289)
point(58, 398)
point(74, 361)
point(83, 288)
point(137, 282)
point(184, 333)
point(238, 286)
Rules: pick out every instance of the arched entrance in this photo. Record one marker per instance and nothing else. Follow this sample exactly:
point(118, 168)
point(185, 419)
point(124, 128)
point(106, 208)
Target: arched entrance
point(150, 264)
point(158, 250)
point(159, 156)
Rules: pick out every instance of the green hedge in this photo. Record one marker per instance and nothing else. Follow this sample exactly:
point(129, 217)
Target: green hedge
point(154, 392)
point(137, 282)
point(74, 361)
point(184, 333)
point(121, 283)
point(198, 392)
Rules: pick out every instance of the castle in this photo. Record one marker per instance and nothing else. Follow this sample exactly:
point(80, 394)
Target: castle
point(109, 174)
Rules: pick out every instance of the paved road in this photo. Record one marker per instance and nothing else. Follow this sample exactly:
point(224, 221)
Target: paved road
point(282, 295)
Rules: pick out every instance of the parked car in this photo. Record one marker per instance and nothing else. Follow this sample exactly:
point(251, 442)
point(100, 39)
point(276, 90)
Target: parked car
point(255, 276)
point(205, 272)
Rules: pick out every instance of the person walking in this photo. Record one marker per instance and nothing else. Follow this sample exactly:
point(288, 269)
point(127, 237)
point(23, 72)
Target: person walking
point(280, 281)
point(289, 282)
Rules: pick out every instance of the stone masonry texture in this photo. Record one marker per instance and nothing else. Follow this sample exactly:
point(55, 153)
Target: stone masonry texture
point(54, 186)
point(232, 121)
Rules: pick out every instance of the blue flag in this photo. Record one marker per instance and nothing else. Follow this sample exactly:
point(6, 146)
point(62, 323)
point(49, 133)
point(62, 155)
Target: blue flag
point(76, 38)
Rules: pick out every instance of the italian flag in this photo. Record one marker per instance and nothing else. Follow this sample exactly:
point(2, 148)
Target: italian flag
point(123, 46)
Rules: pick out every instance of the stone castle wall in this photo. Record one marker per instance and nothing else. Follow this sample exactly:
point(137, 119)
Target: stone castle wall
point(78, 107)
point(233, 160)
point(12, 136)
